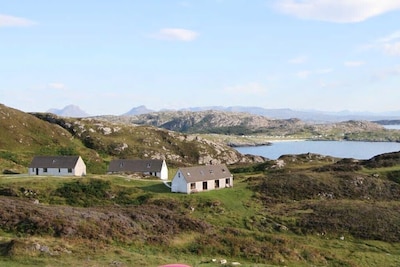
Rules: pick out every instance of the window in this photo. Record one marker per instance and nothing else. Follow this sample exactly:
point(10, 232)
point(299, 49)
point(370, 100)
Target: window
point(148, 165)
point(193, 186)
point(59, 170)
point(216, 184)
point(44, 169)
point(69, 170)
point(204, 185)
point(228, 181)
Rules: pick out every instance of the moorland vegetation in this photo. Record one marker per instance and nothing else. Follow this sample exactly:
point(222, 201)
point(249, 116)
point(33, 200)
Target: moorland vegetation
point(299, 210)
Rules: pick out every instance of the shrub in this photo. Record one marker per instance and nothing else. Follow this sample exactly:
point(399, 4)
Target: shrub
point(85, 194)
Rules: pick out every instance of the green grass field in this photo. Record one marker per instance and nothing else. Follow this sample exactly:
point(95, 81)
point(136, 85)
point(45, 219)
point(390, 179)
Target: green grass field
point(243, 230)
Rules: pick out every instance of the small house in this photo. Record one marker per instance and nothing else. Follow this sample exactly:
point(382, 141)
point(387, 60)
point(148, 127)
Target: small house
point(57, 165)
point(151, 167)
point(201, 178)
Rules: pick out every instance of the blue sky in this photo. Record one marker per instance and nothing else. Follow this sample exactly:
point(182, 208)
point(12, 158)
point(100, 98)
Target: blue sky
point(109, 56)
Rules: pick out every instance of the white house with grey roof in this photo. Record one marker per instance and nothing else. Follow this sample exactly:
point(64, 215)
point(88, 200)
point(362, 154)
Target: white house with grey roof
point(57, 166)
point(151, 167)
point(201, 178)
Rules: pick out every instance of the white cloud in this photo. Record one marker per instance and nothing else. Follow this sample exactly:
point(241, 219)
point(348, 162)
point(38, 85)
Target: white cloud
point(330, 85)
point(323, 71)
point(354, 64)
point(298, 60)
point(57, 86)
point(389, 44)
point(392, 49)
point(304, 74)
point(385, 74)
point(175, 34)
point(11, 21)
point(185, 4)
point(250, 88)
point(339, 11)
point(391, 37)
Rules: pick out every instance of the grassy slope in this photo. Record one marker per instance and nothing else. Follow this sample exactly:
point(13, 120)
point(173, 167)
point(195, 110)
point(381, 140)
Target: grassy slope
point(290, 225)
point(244, 228)
point(24, 136)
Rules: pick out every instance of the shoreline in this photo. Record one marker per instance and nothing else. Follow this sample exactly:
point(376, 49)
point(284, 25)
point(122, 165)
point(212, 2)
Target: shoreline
point(265, 143)
point(287, 140)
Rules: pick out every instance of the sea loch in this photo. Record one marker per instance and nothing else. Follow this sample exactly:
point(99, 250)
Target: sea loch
point(340, 149)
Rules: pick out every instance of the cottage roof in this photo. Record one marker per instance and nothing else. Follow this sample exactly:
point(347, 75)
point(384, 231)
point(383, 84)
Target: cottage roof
point(54, 162)
point(205, 173)
point(135, 165)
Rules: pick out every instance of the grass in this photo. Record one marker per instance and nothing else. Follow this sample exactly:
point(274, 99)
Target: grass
point(243, 228)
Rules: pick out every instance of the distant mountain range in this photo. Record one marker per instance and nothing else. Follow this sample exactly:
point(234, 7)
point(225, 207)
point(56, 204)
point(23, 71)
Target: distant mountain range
point(315, 116)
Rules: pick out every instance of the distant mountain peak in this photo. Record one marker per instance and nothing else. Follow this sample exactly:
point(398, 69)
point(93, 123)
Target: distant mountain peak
point(138, 111)
point(69, 111)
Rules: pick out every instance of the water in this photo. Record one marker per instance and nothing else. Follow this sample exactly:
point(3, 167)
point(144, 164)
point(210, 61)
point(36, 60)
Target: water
point(340, 149)
point(393, 127)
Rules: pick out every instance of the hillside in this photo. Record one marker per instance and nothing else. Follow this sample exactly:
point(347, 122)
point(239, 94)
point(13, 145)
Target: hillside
point(300, 210)
point(24, 135)
point(239, 124)
point(209, 121)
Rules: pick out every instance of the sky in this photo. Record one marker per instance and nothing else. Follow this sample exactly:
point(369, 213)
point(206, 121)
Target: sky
point(110, 56)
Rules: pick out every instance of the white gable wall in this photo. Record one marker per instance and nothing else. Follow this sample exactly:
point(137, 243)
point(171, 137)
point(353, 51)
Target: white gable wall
point(80, 168)
point(164, 171)
point(179, 184)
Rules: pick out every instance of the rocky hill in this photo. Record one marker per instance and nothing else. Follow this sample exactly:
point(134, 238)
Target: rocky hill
point(24, 135)
point(231, 123)
point(209, 121)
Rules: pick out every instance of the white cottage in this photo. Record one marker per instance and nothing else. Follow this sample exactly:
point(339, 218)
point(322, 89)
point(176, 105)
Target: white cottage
point(57, 165)
point(201, 178)
point(152, 167)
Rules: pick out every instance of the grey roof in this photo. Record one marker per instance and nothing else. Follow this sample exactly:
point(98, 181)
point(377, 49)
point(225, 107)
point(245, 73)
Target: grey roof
point(135, 165)
point(205, 173)
point(54, 162)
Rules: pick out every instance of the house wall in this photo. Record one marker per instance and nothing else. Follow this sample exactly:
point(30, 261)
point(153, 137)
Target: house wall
point(211, 184)
point(51, 171)
point(164, 171)
point(80, 168)
point(179, 184)
point(31, 171)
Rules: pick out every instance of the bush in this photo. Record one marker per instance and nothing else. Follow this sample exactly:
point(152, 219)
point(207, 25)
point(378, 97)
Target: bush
point(359, 219)
point(84, 194)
